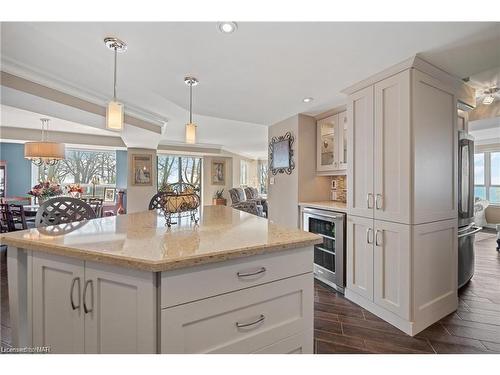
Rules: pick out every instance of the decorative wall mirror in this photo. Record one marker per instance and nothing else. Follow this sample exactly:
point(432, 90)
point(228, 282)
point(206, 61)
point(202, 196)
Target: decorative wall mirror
point(281, 154)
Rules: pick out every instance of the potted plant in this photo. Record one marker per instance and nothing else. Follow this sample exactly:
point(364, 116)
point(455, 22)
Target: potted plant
point(219, 199)
point(45, 190)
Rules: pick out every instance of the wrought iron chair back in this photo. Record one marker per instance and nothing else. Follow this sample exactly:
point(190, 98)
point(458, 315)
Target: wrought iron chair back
point(61, 210)
point(96, 204)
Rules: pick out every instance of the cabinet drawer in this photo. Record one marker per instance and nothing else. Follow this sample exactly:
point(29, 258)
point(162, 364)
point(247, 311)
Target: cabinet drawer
point(297, 344)
point(182, 286)
point(245, 321)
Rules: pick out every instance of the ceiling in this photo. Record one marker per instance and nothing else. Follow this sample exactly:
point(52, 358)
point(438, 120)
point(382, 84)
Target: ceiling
point(250, 79)
point(19, 118)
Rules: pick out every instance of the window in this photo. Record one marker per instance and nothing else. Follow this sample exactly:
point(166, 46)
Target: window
point(487, 176)
point(174, 169)
point(263, 170)
point(80, 167)
point(243, 173)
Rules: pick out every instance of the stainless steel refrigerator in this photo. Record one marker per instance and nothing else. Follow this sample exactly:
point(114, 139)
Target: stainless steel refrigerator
point(466, 226)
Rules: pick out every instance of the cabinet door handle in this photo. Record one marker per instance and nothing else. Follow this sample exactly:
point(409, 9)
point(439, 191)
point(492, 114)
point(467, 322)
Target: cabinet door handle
point(242, 325)
point(377, 243)
point(85, 308)
point(377, 201)
point(369, 198)
point(368, 232)
point(248, 274)
point(73, 306)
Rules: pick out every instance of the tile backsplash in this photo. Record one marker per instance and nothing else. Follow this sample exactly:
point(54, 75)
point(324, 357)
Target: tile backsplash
point(341, 187)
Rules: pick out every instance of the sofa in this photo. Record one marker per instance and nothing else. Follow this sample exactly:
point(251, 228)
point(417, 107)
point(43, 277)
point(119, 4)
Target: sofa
point(240, 201)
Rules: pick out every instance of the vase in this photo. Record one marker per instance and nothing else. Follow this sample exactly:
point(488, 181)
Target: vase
point(120, 210)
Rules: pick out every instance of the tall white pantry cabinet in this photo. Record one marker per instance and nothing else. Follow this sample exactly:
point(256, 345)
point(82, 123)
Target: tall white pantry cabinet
point(402, 215)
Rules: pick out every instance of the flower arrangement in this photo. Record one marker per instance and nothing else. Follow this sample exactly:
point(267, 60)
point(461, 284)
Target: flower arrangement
point(45, 190)
point(74, 188)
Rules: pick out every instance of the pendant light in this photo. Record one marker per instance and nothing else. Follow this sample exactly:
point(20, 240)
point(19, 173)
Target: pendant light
point(44, 152)
point(190, 127)
point(114, 111)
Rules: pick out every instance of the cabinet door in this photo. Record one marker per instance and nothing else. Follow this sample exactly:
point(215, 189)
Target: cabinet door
point(327, 143)
point(391, 267)
point(359, 271)
point(56, 323)
point(360, 199)
point(342, 141)
point(392, 149)
point(121, 306)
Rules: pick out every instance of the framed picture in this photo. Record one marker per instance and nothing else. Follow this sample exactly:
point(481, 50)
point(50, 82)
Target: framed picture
point(281, 154)
point(218, 172)
point(109, 194)
point(142, 165)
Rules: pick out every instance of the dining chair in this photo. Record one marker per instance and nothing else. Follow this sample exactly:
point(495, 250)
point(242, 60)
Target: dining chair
point(18, 216)
point(96, 204)
point(61, 210)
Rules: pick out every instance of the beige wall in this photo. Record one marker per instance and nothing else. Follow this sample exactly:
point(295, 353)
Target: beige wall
point(208, 188)
point(283, 194)
point(303, 184)
point(311, 187)
point(138, 197)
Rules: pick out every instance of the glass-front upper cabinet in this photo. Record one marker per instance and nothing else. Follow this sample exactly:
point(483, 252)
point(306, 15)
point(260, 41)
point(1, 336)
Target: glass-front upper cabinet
point(327, 150)
point(342, 141)
point(332, 143)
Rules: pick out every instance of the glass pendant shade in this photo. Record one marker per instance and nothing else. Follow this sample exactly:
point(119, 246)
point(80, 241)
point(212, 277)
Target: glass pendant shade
point(191, 133)
point(114, 115)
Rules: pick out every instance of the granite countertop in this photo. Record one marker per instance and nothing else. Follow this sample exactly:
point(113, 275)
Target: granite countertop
point(143, 241)
point(326, 205)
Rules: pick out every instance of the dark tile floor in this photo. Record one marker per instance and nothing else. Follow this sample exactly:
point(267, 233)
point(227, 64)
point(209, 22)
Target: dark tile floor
point(343, 327)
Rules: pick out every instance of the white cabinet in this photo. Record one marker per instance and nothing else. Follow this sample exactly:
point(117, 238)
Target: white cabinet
point(360, 255)
point(360, 200)
point(391, 267)
point(402, 273)
point(332, 143)
point(121, 315)
point(85, 307)
point(245, 321)
point(401, 202)
point(402, 150)
point(57, 303)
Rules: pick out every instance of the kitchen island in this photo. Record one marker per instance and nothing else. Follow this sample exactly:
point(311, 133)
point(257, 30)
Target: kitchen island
point(234, 283)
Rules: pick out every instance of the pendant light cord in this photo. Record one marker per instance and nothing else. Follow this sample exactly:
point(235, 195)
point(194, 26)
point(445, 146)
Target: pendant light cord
point(114, 78)
point(191, 103)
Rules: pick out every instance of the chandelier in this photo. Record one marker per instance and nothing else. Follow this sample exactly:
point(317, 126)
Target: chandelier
point(44, 152)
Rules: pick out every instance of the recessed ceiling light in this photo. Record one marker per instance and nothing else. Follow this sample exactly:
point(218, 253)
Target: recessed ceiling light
point(308, 99)
point(227, 27)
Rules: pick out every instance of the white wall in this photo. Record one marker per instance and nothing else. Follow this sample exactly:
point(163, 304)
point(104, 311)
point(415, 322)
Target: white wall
point(138, 197)
point(303, 184)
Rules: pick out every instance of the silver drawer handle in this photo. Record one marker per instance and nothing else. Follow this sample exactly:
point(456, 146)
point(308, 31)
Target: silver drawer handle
point(85, 308)
point(377, 243)
point(247, 274)
point(242, 325)
point(73, 306)
point(368, 232)
point(369, 199)
point(377, 201)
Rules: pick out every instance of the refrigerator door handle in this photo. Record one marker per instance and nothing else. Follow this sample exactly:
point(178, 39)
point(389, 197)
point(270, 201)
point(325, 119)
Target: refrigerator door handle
point(465, 234)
